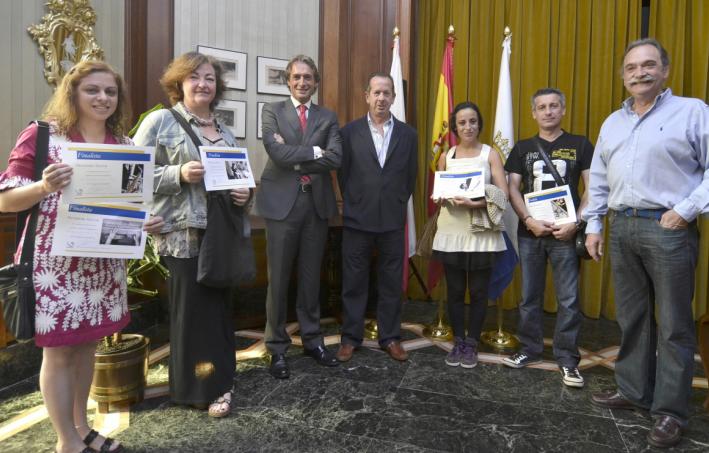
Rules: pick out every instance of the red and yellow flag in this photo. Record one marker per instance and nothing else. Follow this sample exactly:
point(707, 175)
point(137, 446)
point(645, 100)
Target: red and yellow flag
point(442, 137)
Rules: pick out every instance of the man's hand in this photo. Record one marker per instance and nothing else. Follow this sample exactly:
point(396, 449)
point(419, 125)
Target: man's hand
point(594, 245)
point(539, 228)
point(673, 221)
point(279, 139)
point(192, 172)
point(565, 232)
point(240, 196)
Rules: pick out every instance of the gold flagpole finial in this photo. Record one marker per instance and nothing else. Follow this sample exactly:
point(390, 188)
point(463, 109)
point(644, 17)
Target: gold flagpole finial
point(508, 32)
point(395, 33)
point(451, 30)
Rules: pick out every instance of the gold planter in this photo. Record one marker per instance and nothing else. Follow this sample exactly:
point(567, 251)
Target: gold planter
point(120, 372)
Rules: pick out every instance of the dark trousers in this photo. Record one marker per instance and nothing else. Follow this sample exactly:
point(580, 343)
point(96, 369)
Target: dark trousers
point(477, 282)
point(202, 345)
point(653, 272)
point(301, 235)
point(357, 248)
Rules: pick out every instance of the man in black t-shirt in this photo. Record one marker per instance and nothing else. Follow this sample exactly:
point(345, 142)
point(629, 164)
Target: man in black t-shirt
point(540, 240)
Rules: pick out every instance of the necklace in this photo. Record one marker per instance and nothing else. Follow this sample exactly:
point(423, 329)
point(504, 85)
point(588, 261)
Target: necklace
point(201, 122)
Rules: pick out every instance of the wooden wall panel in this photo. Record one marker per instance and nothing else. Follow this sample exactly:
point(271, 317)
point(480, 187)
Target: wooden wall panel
point(149, 48)
point(357, 40)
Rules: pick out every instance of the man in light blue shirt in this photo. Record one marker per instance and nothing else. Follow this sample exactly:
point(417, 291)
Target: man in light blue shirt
point(650, 177)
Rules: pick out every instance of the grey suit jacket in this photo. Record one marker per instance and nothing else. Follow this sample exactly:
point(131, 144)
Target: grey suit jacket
point(375, 197)
point(279, 181)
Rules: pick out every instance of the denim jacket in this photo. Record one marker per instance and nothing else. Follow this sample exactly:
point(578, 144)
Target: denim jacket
point(181, 205)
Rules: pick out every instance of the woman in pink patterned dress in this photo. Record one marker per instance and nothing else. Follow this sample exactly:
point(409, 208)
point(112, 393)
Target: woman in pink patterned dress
point(79, 300)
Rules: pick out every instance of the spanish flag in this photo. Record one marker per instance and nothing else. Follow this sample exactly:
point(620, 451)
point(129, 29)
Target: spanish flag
point(442, 137)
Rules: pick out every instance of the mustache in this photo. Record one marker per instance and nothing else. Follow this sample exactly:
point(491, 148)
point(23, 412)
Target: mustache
point(645, 78)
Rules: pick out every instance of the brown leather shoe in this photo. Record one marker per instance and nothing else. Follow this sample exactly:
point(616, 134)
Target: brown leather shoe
point(344, 353)
point(396, 351)
point(666, 432)
point(612, 400)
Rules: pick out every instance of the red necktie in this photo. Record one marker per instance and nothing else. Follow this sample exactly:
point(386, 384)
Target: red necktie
point(304, 179)
point(301, 115)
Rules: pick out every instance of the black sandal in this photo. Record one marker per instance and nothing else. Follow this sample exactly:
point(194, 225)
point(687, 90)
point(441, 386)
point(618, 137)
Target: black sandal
point(105, 447)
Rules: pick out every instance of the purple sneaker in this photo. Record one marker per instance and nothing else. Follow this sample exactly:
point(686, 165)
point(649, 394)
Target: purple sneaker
point(453, 357)
point(469, 358)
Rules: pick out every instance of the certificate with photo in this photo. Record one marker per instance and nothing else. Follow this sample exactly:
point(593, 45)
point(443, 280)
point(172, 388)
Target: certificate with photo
point(457, 183)
point(552, 205)
point(226, 168)
point(100, 230)
point(108, 173)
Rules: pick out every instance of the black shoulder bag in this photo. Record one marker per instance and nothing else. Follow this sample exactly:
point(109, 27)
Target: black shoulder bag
point(580, 239)
point(16, 286)
point(226, 254)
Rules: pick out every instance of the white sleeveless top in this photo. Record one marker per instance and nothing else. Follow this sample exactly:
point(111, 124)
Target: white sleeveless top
point(453, 233)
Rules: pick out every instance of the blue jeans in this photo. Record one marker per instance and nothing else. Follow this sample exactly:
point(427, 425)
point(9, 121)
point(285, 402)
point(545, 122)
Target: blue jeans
point(533, 254)
point(653, 271)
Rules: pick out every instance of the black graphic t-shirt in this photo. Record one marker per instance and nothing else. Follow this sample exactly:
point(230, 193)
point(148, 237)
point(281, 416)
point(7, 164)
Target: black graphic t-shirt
point(570, 154)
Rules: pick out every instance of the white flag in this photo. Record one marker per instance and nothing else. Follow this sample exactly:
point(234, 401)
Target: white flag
point(399, 111)
point(503, 136)
point(503, 132)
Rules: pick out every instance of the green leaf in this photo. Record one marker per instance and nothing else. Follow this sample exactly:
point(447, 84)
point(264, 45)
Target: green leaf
point(142, 117)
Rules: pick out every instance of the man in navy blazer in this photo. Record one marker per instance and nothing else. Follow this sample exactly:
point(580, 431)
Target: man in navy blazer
point(296, 199)
point(377, 177)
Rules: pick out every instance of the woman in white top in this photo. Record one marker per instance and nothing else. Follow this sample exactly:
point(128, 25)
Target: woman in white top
point(467, 257)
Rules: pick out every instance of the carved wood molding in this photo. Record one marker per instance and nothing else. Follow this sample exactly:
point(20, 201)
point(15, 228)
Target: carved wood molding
point(65, 37)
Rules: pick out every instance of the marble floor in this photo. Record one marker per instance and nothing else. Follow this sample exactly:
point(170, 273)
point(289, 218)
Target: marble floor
point(372, 403)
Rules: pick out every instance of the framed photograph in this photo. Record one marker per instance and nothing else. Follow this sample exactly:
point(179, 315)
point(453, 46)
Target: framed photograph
point(259, 120)
point(271, 76)
point(234, 64)
point(232, 114)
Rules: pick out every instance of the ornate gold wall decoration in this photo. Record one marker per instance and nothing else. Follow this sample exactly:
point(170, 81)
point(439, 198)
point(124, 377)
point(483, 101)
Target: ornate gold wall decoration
point(65, 37)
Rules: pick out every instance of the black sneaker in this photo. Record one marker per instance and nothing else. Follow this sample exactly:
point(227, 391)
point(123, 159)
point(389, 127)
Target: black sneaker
point(519, 360)
point(571, 376)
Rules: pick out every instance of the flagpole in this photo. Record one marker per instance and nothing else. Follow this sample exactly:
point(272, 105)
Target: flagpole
point(371, 328)
point(440, 330)
point(499, 339)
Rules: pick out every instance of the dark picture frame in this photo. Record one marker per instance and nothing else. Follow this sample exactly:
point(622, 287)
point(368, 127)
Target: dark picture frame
point(259, 120)
point(270, 76)
point(232, 114)
point(233, 63)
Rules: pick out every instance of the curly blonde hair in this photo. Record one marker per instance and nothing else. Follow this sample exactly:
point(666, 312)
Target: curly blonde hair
point(181, 67)
point(62, 109)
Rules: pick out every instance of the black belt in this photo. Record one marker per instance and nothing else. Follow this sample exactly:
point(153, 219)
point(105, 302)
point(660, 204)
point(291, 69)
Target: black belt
point(305, 188)
point(655, 214)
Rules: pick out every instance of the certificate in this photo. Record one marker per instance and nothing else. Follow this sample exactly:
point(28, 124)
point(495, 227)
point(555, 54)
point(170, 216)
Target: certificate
point(553, 205)
point(100, 230)
point(226, 168)
point(108, 173)
point(457, 183)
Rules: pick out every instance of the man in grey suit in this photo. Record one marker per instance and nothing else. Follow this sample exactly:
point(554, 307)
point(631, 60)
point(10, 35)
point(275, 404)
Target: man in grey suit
point(296, 199)
point(378, 175)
